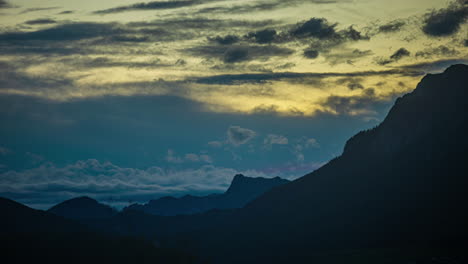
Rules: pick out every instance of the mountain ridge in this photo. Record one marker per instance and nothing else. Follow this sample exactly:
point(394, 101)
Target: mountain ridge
point(82, 207)
point(241, 191)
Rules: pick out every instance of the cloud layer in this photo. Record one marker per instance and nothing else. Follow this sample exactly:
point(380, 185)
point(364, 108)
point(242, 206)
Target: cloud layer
point(105, 181)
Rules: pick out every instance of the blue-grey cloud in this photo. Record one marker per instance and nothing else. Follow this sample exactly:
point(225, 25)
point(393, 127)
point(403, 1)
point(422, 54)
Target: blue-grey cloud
point(238, 136)
point(49, 183)
point(273, 139)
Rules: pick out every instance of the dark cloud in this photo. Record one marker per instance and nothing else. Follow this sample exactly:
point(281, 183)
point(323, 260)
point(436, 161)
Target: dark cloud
point(11, 77)
point(4, 4)
point(40, 21)
point(352, 105)
point(447, 21)
point(263, 36)
point(311, 53)
point(315, 27)
point(236, 54)
point(261, 6)
point(103, 62)
point(433, 66)
point(236, 79)
point(65, 32)
point(66, 12)
point(29, 10)
point(129, 38)
point(83, 38)
point(240, 9)
point(353, 83)
point(321, 29)
point(226, 40)
point(203, 23)
point(238, 136)
point(399, 54)
point(90, 38)
point(323, 37)
point(230, 54)
point(346, 56)
point(396, 56)
point(392, 26)
point(156, 5)
point(352, 34)
point(437, 51)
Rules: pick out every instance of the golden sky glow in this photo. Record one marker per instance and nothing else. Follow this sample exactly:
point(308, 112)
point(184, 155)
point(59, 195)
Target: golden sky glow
point(162, 54)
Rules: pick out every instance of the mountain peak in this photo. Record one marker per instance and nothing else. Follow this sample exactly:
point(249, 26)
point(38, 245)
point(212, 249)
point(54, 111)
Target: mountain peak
point(456, 68)
point(82, 207)
point(82, 200)
point(425, 109)
point(241, 191)
point(238, 177)
point(242, 184)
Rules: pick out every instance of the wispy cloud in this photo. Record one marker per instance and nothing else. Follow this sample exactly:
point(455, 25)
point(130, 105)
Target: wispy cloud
point(49, 183)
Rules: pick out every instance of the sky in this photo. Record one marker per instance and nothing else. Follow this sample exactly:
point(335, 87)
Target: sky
point(126, 100)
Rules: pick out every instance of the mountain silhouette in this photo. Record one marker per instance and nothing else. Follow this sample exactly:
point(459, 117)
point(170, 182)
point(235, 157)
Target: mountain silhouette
point(29, 235)
point(397, 194)
point(82, 207)
point(398, 189)
point(401, 183)
point(241, 191)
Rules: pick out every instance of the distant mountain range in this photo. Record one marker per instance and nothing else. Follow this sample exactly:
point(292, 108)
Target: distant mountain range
point(397, 194)
point(242, 191)
point(82, 208)
point(28, 236)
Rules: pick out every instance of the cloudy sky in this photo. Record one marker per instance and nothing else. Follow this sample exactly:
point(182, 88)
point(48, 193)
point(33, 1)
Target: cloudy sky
point(127, 100)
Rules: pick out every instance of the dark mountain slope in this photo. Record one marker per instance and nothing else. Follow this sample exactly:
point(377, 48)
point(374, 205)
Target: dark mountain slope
point(403, 182)
point(28, 236)
point(82, 207)
point(242, 190)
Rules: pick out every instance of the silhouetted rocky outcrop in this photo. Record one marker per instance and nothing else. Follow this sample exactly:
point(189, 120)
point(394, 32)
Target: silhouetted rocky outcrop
point(242, 190)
